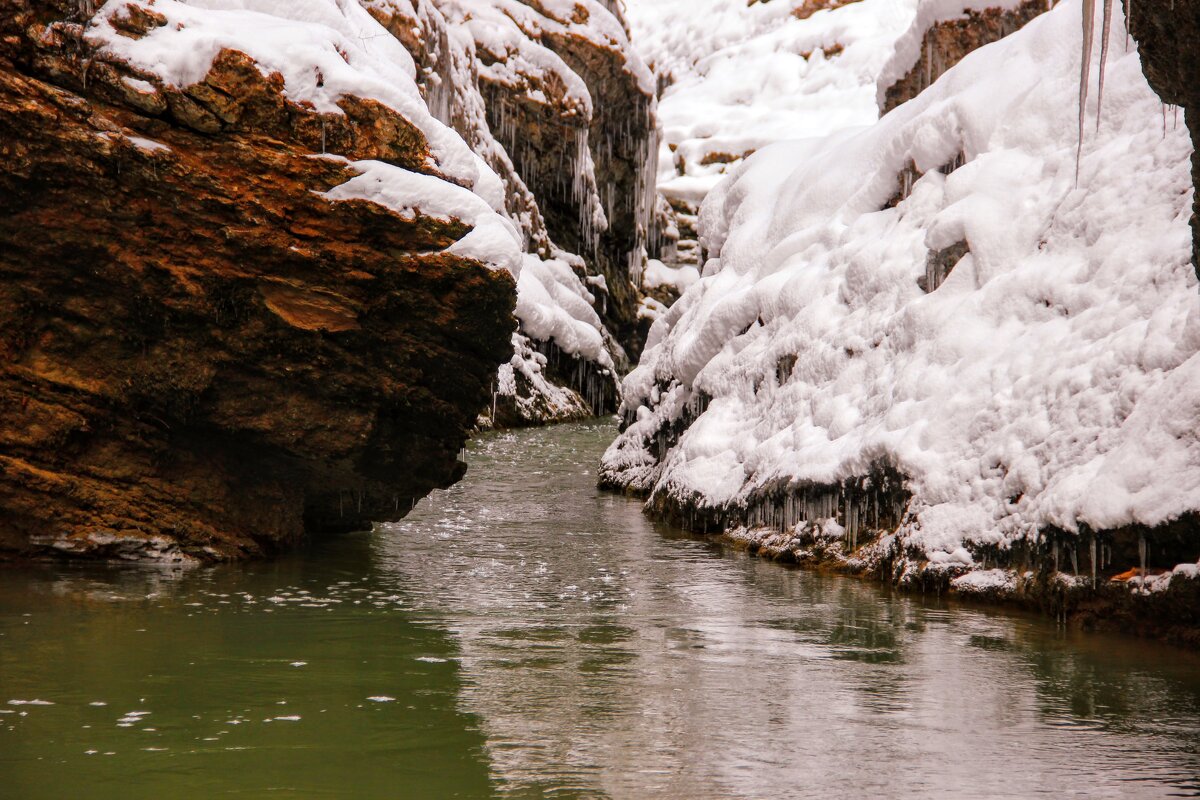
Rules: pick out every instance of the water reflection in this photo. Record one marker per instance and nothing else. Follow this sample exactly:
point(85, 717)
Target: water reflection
point(525, 635)
point(298, 678)
point(604, 656)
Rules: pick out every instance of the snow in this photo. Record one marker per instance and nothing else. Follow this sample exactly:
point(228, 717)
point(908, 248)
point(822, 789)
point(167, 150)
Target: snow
point(985, 581)
point(746, 76)
point(513, 30)
point(553, 305)
point(1051, 380)
point(493, 239)
point(658, 274)
point(324, 49)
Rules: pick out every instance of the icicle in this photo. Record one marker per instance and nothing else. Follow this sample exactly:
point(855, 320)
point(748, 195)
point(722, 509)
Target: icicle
point(1142, 557)
point(1093, 547)
point(1089, 20)
point(1107, 23)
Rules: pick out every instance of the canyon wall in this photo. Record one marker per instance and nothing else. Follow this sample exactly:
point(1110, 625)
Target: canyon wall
point(552, 97)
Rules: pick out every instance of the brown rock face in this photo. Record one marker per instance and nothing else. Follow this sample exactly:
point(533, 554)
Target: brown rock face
point(946, 43)
point(199, 354)
point(1168, 37)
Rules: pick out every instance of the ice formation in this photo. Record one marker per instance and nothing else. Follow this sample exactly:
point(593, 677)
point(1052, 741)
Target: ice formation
point(1043, 393)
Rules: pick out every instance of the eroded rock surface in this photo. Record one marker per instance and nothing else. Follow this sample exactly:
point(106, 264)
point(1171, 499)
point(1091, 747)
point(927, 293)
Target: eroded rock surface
point(201, 356)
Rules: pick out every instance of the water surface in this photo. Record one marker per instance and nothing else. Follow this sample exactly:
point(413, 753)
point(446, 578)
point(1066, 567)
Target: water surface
point(525, 635)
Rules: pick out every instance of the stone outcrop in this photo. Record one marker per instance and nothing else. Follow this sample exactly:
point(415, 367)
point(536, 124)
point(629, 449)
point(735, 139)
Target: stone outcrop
point(1168, 39)
point(945, 41)
point(200, 355)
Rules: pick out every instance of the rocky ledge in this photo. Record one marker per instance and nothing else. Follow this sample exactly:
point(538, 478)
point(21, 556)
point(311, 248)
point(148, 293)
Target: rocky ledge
point(209, 345)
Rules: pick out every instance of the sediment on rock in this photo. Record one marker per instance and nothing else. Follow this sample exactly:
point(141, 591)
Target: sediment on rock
point(201, 356)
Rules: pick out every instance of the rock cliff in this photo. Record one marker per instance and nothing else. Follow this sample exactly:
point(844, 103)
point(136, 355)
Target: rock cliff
point(239, 299)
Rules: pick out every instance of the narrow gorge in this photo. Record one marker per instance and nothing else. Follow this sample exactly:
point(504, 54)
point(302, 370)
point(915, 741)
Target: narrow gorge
point(684, 399)
point(259, 285)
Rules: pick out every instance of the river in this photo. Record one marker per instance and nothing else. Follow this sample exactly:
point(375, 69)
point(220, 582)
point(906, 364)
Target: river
point(526, 635)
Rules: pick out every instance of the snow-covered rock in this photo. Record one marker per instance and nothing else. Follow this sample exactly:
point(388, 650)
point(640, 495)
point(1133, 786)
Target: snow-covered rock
point(936, 295)
point(484, 90)
point(552, 97)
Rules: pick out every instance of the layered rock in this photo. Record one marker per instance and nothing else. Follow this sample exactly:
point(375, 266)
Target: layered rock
point(243, 296)
point(954, 351)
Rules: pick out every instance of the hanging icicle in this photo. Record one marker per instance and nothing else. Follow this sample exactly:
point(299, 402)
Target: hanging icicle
point(1085, 68)
point(1107, 24)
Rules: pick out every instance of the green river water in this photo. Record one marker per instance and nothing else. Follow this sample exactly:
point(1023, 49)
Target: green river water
point(526, 635)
